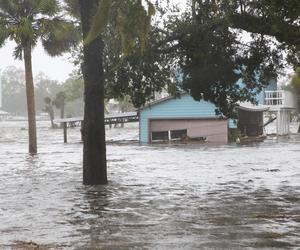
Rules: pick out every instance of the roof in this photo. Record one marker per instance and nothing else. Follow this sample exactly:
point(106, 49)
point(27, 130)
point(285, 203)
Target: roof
point(3, 112)
point(149, 105)
point(243, 106)
point(247, 106)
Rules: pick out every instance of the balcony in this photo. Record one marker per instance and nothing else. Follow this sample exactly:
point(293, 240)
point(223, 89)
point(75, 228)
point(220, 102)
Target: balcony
point(279, 99)
point(274, 98)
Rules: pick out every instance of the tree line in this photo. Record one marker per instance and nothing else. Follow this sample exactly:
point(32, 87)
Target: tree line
point(14, 94)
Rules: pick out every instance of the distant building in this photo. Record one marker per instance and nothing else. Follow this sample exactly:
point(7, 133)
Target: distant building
point(3, 115)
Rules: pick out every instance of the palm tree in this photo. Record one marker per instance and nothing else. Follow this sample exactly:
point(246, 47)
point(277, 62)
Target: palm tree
point(26, 22)
point(49, 109)
point(60, 103)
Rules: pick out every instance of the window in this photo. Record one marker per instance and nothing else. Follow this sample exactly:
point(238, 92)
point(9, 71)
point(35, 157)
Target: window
point(178, 134)
point(170, 135)
point(160, 136)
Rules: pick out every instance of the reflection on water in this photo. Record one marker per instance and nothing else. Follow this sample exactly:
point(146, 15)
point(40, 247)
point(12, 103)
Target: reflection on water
point(159, 197)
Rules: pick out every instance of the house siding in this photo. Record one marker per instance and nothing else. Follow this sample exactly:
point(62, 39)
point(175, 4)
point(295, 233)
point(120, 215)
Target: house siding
point(183, 107)
point(260, 97)
point(213, 130)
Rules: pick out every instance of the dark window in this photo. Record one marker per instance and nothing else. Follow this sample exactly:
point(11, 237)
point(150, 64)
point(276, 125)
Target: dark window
point(178, 134)
point(160, 136)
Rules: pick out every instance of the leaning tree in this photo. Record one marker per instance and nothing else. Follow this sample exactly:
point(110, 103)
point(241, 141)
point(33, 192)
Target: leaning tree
point(26, 22)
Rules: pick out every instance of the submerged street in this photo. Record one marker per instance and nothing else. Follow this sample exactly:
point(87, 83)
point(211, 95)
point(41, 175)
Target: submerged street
point(185, 196)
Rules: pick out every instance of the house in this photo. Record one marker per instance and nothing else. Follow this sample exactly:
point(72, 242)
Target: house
point(278, 102)
point(3, 115)
point(171, 118)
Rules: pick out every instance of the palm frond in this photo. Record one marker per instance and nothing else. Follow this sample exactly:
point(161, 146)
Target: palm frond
point(73, 8)
point(133, 22)
point(18, 52)
point(3, 32)
point(46, 7)
point(60, 37)
point(10, 7)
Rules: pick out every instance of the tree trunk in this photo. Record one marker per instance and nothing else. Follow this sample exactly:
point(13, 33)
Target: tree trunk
point(62, 111)
point(30, 99)
point(94, 147)
point(51, 116)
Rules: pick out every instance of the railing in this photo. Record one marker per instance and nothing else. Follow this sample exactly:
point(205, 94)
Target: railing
point(274, 98)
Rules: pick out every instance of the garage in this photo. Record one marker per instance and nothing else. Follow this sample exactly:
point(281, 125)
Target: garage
point(209, 130)
point(182, 118)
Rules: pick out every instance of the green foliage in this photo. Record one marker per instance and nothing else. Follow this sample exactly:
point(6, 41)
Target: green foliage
point(129, 17)
point(140, 74)
point(60, 99)
point(13, 91)
point(138, 69)
point(14, 98)
point(203, 45)
point(27, 21)
point(47, 100)
point(279, 19)
point(49, 109)
point(214, 61)
point(100, 20)
point(73, 88)
point(133, 22)
point(44, 87)
point(295, 82)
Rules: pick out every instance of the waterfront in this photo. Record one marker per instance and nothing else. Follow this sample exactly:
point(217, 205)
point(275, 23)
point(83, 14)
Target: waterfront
point(159, 197)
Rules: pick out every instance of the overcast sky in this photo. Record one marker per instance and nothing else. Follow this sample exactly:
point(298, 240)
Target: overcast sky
point(57, 68)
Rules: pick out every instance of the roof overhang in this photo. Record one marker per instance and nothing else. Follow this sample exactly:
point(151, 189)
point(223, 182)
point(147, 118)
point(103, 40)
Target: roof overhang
point(170, 97)
point(252, 107)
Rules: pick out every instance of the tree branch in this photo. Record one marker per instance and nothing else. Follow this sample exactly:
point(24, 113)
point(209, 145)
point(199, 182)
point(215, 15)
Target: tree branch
point(281, 30)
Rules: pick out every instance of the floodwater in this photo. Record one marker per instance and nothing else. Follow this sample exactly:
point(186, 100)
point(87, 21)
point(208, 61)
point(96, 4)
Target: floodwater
point(159, 197)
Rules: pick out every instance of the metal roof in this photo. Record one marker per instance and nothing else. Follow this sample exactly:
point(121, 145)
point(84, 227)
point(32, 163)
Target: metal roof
point(247, 106)
point(149, 105)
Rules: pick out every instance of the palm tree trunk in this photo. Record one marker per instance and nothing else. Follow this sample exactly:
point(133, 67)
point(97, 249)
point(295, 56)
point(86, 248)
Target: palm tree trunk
point(62, 111)
point(30, 99)
point(94, 147)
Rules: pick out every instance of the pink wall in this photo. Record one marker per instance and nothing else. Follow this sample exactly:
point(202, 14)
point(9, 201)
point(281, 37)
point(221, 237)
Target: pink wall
point(214, 130)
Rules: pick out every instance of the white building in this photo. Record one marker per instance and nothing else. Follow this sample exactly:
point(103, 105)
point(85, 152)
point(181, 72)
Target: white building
point(282, 103)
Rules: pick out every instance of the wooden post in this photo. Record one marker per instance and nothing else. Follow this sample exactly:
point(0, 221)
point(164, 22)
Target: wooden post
point(65, 132)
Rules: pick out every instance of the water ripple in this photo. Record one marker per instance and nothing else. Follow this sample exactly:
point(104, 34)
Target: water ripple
point(158, 197)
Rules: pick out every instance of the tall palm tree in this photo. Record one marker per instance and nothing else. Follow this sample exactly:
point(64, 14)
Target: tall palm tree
point(26, 22)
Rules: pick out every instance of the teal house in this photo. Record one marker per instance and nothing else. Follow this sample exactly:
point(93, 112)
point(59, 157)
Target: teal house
point(173, 118)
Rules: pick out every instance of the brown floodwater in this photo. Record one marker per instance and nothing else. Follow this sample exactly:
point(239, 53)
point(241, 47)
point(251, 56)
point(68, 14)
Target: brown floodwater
point(159, 197)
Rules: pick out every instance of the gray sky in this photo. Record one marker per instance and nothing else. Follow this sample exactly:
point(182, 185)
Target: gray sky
point(57, 68)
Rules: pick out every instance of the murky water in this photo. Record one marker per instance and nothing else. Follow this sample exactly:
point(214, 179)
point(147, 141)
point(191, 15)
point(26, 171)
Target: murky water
point(159, 197)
